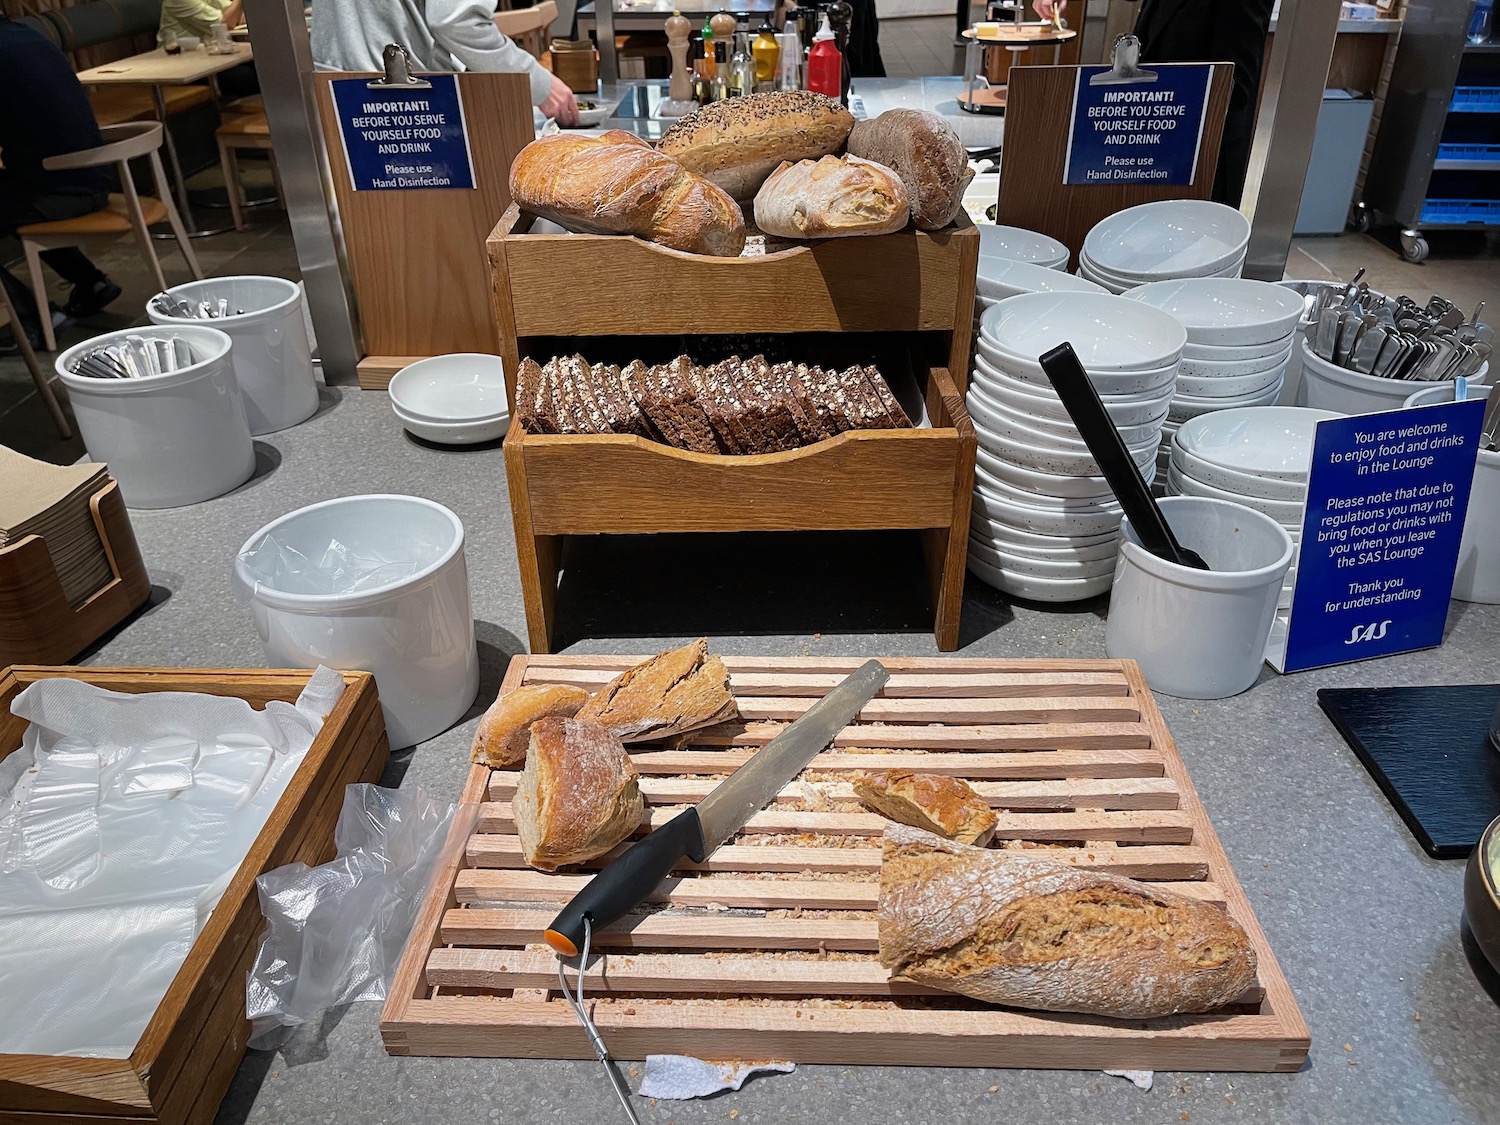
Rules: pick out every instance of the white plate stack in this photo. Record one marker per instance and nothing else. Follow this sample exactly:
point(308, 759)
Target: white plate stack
point(1257, 457)
point(1014, 260)
point(1045, 524)
point(1160, 241)
point(1241, 334)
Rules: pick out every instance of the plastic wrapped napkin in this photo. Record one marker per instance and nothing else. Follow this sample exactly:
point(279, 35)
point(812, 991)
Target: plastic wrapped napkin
point(122, 819)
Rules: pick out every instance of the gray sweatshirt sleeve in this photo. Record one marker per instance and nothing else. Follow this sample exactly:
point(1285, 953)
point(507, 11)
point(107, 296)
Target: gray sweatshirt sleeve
point(466, 30)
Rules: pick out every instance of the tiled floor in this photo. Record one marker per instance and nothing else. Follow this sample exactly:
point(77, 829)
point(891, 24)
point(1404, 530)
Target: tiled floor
point(916, 48)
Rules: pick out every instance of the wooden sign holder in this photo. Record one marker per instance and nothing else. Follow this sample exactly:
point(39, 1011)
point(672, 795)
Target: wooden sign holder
point(417, 258)
point(1032, 192)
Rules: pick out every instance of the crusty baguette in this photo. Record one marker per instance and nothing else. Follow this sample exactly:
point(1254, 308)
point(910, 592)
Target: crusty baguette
point(831, 197)
point(578, 796)
point(932, 802)
point(926, 153)
point(615, 183)
point(504, 730)
point(1007, 928)
point(738, 142)
point(680, 690)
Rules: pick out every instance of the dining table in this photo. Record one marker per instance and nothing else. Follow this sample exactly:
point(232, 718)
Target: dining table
point(158, 69)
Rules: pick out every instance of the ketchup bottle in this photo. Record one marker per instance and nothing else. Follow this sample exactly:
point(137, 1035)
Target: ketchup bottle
point(825, 65)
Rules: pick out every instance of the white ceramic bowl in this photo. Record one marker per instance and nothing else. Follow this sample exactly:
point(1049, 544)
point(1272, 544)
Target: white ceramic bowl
point(1285, 512)
point(1006, 542)
point(1025, 517)
point(1270, 441)
point(1084, 273)
point(1035, 588)
point(1235, 386)
point(1170, 238)
point(1017, 538)
point(1211, 368)
point(1046, 484)
point(1017, 394)
point(1133, 281)
point(1185, 406)
point(453, 433)
point(1223, 310)
point(1000, 421)
point(1194, 350)
point(1020, 245)
point(462, 387)
point(1051, 459)
point(1107, 333)
point(1326, 386)
point(1044, 568)
point(997, 487)
point(1146, 382)
point(1003, 277)
point(1232, 480)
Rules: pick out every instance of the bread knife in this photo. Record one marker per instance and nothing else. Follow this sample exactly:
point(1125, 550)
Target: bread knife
point(697, 833)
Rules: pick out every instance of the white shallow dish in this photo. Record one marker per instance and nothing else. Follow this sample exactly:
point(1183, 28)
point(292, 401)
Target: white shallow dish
point(453, 433)
point(1285, 512)
point(1038, 589)
point(1018, 537)
point(1269, 441)
point(1006, 542)
point(1107, 333)
point(1232, 480)
point(1007, 424)
point(1025, 517)
point(997, 488)
point(1044, 568)
point(1004, 277)
point(1065, 462)
point(1169, 238)
point(1093, 269)
point(1022, 479)
point(1228, 368)
point(1225, 311)
point(1194, 350)
point(1020, 245)
point(1249, 386)
point(1185, 406)
point(1028, 398)
point(462, 387)
point(1145, 382)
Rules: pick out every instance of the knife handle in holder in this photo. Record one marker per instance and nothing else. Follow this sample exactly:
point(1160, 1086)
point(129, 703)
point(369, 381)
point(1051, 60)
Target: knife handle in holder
point(626, 882)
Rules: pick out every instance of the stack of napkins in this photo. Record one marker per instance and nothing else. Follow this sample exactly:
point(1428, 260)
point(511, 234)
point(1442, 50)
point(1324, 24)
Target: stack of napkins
point(37, 498)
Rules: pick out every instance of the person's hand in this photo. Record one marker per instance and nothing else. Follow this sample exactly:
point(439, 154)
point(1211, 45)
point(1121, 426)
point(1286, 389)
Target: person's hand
point(1047, 8)
point(561, 104)
point(234, 15)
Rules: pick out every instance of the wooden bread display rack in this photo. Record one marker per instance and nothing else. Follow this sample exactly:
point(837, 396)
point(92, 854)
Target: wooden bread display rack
point(913, 289)
point(768, 949)
point(37, 625)
point(185, 1059)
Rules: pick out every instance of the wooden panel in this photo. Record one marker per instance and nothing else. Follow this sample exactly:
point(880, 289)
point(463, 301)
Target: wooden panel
point(189, 1052)
point(793, 972)
point(417, 258)
point(375, 371)
point(1032, 192)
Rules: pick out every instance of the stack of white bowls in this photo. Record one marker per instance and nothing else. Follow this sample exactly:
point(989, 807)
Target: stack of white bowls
point(1241, 333)
point(1045, 524)
point(456, 399)
point(1160, 241)
point(1258, 457)
point(1000, 278)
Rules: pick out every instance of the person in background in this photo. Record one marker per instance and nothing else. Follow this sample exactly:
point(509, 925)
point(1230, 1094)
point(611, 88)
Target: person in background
point(195, 19)
point(45, 112)
point(441, 35)
point(1208, 31)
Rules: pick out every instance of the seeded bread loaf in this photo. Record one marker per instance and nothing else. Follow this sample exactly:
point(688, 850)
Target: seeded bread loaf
point(738, 142)
point(578, 796)
point(926, 153)
point(1007, 928)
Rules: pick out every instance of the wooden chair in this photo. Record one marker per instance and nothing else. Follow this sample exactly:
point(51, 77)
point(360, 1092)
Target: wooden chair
point(528, 26)
point(244, 127)
point(126, 213)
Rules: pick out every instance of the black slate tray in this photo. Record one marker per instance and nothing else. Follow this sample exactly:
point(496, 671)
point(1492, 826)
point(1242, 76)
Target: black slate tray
point(1428, 749)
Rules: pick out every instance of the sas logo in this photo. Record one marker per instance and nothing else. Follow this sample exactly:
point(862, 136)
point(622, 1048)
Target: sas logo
point(1374, 631)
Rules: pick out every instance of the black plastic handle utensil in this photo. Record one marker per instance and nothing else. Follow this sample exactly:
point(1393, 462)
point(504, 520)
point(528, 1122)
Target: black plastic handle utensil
point(1085, 407)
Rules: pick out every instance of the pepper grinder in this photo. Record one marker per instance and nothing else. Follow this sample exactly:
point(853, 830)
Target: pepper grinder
point(678, 31)
point(723, 26)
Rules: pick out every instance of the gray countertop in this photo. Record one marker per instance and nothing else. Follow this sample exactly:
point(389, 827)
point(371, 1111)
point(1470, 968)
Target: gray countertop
point(1365, 926)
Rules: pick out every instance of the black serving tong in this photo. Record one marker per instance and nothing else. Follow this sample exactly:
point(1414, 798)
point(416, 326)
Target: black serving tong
point(1071, 382)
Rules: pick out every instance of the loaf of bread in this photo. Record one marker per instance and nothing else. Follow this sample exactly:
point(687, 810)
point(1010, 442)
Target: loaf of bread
point(738, 142)
point(578, 796)
point(926, 153)
point(677, 691)
point(504, 730)
point(1007, 928)
point(827, 198)
point(616, 183)
point(932, 802)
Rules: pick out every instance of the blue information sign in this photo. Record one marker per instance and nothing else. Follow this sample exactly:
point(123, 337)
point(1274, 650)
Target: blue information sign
point(1386, 499)
point(1138, 132)
point(400, 138)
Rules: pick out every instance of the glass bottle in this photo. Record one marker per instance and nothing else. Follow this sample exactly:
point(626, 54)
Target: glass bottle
point(741, 68)
point(767, 54)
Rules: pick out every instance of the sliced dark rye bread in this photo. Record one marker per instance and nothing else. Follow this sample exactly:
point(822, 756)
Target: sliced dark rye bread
point(715, 407)
point(783, 376)
point(887, 398)
point(645, 385)
point(680, 401)
point(575, 378)
point(743, 413)
point(621, 411)
point(563, 407)
point(529, 385)
point(635, 388)
point(829, 393)
point(780, 419)
point(866, 411)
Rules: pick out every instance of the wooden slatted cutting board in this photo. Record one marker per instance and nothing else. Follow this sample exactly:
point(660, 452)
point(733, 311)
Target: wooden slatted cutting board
point(768, 949)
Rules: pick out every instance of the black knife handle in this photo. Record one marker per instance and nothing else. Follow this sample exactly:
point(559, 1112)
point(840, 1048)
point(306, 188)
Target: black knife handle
point(627, 881)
